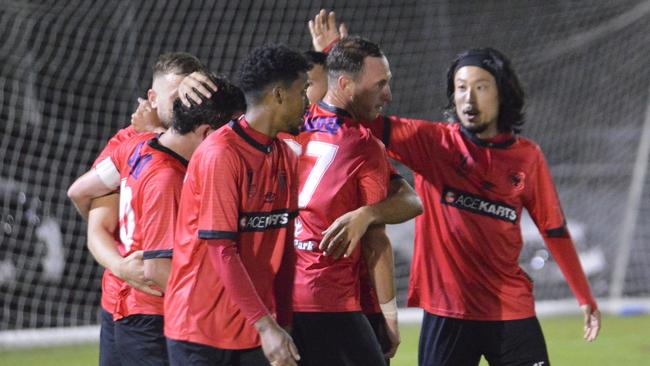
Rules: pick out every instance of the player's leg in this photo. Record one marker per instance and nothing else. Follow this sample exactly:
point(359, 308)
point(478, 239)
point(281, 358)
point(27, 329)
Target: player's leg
point(187, 353)
point(378, 325)
point(108, 353)
point(447, 342)
point(140, 340)
point(342, 339)
point(516, 343)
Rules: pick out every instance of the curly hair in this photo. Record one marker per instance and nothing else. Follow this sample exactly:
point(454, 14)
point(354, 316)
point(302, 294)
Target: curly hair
point(215, 111)
point(315, 57)
point(268, 65)
point(348, 54)
point(179, 63)
point(511, 94)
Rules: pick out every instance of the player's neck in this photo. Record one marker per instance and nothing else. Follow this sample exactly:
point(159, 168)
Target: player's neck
point(261, 119)
point(335, 99)
point(183, 145)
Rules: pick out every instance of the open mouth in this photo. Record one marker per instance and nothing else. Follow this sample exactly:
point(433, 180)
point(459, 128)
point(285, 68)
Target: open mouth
point(471, 114)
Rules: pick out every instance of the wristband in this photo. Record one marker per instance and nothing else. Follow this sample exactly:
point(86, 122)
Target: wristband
point(329, 47)
point(389, 309)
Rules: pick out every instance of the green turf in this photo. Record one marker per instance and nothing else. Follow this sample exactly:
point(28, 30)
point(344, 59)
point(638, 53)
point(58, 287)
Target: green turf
point(623, 341)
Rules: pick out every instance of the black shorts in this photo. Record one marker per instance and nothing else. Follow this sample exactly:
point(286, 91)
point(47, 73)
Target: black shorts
point(458, 342)
point(108, 353)
point(187, 353)
point(140, 340)
point(379, 327)
point(341, 339)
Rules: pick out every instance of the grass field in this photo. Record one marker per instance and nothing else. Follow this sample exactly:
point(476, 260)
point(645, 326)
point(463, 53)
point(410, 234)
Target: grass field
point(623, 342)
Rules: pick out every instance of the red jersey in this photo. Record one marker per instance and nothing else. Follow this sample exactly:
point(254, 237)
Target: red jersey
point(151, 177)
point(111, 284)
point(342, 167)
point(241, 186)
point(468, 240)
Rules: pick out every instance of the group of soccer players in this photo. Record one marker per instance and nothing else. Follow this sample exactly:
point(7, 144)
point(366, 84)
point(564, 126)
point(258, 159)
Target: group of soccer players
point(244, 225)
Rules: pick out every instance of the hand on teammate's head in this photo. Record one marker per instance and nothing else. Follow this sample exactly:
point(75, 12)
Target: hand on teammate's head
point(194, 86)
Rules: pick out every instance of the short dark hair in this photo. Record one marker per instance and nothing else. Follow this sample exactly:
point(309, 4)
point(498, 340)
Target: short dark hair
point(511, 94)
point(348, 54)
point(267, 65)
point(179, 63)
point(315, 57)
point(215, 111)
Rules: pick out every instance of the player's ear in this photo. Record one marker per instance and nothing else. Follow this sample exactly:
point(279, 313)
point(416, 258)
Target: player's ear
point(345, 84)
point(152, 97)
point(278, 94)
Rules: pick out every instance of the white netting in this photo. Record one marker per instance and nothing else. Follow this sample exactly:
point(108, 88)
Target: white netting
point(70, 72)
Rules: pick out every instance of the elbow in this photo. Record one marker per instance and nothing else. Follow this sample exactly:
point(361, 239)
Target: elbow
point(418, 208)
point(73, 192)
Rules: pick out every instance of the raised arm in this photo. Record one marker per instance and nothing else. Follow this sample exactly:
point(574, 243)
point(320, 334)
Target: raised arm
point(323, 30)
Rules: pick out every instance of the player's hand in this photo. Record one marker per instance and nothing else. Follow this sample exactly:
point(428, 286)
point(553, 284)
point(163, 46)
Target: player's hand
point(323, 30)
point(194, 86)
point(131, 271)
point(393, 335)
point(277, 344)
point(344, 233)
point(145, 117)
point(591, 322)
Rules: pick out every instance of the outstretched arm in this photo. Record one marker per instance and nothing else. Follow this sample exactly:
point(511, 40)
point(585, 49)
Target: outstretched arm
point(343, 235)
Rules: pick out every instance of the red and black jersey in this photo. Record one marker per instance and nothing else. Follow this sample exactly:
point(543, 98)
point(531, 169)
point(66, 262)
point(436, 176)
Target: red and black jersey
point(342, 167)
point(468, 240)
point(241, 186)
point(110, 283)
point(150, 178)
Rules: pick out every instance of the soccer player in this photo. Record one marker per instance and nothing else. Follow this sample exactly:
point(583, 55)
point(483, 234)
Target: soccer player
point(103, 238)
point(149, 171)
point(476, 176)
point(342, 168)
point(230, 287)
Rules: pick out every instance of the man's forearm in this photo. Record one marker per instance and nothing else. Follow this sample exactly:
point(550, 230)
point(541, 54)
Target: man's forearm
point(402, 204)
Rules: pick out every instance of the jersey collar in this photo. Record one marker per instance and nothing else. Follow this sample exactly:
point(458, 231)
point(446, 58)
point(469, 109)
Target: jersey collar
point(154, 143)
point(500, 141)
point(254, 138)
point(336, 110)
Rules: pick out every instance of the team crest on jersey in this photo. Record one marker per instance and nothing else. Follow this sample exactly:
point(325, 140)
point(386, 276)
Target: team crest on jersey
point(517, 179)
point(479, 205)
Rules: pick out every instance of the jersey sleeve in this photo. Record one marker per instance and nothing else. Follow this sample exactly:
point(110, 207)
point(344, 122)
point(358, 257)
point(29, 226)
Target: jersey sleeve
point(219, 211)
point(159, 208)
point(409, 141)
point(227, 263)
point(122, 135)
point(545, 210)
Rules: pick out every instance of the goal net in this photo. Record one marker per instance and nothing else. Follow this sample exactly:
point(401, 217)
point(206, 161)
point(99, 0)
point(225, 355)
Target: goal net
point(71, 71)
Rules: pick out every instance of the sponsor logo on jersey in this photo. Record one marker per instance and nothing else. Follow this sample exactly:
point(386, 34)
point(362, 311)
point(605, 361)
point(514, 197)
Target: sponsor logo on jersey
point(304, 245)
point(479, 205)
point(261, 221)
